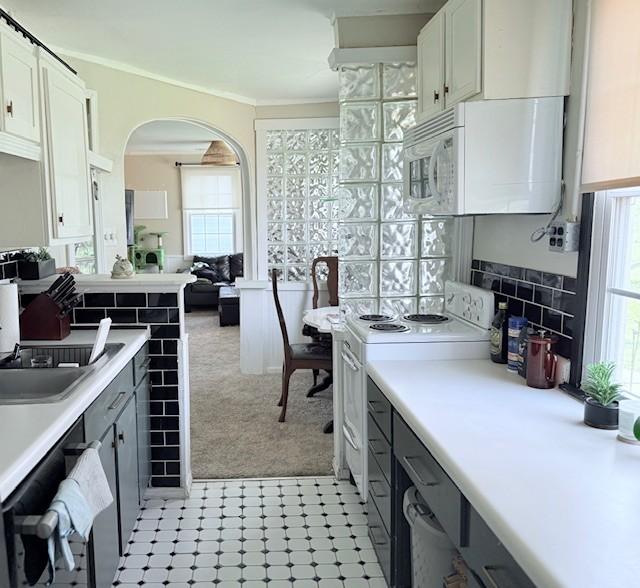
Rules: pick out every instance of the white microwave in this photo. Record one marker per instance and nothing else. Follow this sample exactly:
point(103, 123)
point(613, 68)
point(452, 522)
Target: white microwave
point(486, 157)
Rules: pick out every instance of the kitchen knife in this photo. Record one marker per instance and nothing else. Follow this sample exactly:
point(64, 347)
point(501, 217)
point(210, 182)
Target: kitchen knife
point(64, 291)
point(70, 304)
point(55, 284)
point(64, 285)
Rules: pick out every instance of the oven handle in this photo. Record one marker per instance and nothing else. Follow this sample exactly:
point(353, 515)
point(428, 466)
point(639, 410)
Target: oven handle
point(349, 360)
point(349, 437)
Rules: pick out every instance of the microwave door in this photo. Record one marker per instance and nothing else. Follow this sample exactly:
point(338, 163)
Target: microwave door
point(440, 176)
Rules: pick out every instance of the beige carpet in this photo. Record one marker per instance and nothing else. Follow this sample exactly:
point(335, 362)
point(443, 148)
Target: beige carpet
point(234, 418)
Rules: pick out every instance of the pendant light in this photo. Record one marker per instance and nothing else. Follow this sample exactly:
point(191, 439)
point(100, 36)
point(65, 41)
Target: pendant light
point(219, 153)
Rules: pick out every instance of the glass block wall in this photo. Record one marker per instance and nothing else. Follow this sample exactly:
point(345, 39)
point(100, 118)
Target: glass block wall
point(390, 260)
point(302, 200)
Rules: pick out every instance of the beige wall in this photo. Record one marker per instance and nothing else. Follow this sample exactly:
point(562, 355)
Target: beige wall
point(125, 101)
point(311, 110)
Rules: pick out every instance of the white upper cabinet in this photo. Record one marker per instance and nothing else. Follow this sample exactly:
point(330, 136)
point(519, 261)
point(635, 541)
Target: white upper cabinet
point(431, 75)
point(463, 63)
point(66, 163)
point(494, 49)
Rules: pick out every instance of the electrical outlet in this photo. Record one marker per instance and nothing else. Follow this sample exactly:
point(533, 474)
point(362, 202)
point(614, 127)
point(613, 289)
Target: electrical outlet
point(564, 236)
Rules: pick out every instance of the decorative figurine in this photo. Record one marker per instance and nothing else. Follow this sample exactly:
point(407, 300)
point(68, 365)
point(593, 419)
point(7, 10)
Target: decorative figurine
point(122, 269)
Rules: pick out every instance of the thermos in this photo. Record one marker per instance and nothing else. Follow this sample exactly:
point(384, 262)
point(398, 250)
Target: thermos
point(541, 361)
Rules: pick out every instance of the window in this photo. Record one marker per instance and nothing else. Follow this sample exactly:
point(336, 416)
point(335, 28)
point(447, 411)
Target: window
point(211, 205)
point(613, 319)
point(211, 233)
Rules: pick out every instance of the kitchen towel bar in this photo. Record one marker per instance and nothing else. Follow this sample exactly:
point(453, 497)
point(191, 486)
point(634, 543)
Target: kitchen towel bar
point(43, 525)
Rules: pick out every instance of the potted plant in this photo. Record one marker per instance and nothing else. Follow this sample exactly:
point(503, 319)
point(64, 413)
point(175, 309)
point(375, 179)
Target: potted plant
point(36, 265)
point(601, 403)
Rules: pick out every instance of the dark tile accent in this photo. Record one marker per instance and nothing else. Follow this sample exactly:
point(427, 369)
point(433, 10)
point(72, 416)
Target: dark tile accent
point(533, 276)
point(171, 378)
point(508, 287)
point(542, 295)
point(155, 378)
point(88, 315)
point(155, 346)
point(152, 315)
point(157, 438)
point(172, 438)
point(475, 264)
point(156, 408)
point(172, 467)
point(570, 284)
point(171, 408)
point(162, 362)
point(165, 332)
point(567, 326)
point(169, 347)
point(515, 308)
point(99, 300)
point(10, 270)
point(552, 320)
point(552, 280)
point(27, 299)
point(162, 299)
point(171, 453)
point(174, 315)
point(128, 299)
point(490, 282)
point(164, 393)
point(165, 423)
point(476, 279)
point(564, 301)
point(533, 312)
point(157, 468)
point(524, 291)
point(564, 346)
point(122, 315)
point(165, 482)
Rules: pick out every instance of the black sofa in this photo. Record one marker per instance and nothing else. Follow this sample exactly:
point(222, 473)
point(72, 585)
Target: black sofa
point(216, 273)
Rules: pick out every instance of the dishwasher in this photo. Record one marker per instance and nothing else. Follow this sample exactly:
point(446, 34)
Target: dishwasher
point(25, 551)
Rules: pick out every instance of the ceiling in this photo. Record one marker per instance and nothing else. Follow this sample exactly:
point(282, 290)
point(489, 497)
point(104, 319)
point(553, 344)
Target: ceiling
point(170, 137)
point(256, 51)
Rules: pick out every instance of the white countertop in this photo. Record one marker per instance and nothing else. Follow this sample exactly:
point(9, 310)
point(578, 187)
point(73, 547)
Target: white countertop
point(105, 283)
point(562, 497)
point(28, 431)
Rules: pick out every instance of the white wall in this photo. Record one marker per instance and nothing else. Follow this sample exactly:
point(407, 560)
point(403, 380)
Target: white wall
point(505, 239)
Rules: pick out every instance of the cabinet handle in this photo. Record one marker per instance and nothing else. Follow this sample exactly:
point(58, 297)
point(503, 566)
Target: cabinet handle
point(373, 492)
point(446, 89)
point(10, 108)
point(436, 96)
point(118, 401)
point(61, 219)
point(375, 541)
point(121, 436)
point(407, 459)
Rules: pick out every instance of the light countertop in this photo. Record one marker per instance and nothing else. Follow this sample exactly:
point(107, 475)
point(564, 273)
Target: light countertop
point(562, 497)
point(105, 283)
point(28, 431)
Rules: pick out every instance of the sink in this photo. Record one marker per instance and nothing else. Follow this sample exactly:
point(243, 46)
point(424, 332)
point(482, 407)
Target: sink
point(22, 384)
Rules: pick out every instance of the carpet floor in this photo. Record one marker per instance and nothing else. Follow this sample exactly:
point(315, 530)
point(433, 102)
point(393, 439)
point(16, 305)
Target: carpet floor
point(235, 431)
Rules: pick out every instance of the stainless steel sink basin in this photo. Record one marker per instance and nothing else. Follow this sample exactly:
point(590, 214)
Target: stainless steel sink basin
point(22, 384)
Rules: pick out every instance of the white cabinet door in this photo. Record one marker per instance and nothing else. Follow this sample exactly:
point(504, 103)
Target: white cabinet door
point(431, 67)
point(463, 19)
point(20, 108)
point(67, 157)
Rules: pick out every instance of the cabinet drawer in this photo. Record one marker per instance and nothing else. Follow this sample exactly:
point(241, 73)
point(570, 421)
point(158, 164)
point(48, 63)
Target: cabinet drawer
point(104, 410)
point(380, 492)
point(379, 408)
point(140, 364)
point(489, 559)
point(380, 539)
point(440, 493)
point(379, 447)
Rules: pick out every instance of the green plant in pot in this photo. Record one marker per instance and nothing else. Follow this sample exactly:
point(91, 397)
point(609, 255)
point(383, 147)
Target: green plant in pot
point(36, 265)
point(601, 404)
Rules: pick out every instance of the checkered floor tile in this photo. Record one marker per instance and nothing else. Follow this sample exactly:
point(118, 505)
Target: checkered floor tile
point(305, 532)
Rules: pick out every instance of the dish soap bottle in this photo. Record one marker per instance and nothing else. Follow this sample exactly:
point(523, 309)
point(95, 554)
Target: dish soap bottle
point(498, 335)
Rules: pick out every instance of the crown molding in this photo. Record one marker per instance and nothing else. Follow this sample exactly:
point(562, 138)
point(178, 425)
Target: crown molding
point(366, 55)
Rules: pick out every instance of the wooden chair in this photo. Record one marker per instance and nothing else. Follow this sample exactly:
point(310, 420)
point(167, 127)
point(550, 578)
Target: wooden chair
point(332, 280)
point(297, 356)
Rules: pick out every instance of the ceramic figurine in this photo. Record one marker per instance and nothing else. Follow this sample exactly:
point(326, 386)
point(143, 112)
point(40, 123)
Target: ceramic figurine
point(122, 269)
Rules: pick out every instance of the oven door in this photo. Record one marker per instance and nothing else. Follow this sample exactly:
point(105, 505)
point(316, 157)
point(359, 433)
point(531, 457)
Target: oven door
point(433, 171)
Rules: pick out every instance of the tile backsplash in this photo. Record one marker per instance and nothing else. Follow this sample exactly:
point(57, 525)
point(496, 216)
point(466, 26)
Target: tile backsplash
point(8, 267)
point(548, 300)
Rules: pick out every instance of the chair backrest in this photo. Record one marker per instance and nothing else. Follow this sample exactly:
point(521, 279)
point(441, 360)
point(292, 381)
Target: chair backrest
point(332, 280)
point(283, 324)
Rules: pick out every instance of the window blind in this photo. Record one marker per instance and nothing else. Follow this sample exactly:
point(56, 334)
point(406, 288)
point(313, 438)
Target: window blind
point(611, 156)
point(210, 188)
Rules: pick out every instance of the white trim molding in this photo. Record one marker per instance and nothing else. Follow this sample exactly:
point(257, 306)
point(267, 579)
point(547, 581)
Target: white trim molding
point(339, 57)
point(267, 124)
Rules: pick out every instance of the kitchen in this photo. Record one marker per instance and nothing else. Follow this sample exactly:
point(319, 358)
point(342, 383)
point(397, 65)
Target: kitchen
point(480, 195)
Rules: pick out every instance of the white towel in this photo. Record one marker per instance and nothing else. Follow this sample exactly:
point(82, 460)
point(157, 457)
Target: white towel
point(90, 476)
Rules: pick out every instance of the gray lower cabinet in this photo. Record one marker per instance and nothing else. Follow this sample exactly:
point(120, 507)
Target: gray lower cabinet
point(105, 532)
point(126, 440)
point(143, 398)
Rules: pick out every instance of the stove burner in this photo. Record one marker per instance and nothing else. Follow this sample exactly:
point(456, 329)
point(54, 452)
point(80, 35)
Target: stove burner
point(389, 327)
point(375, 318)
point(426, 319)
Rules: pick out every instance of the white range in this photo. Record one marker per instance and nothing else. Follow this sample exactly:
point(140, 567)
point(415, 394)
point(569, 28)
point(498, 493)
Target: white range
point(462, 332)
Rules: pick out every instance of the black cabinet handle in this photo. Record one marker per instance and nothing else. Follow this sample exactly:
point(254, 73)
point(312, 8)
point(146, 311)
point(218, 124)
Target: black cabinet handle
point(375, 494)
point(121, 436)
point(118, 401)
point(375, 541)
point(407, 460)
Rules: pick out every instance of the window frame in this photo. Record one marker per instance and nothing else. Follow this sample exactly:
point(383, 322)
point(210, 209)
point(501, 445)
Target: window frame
point(608, 253)
point(187, 213)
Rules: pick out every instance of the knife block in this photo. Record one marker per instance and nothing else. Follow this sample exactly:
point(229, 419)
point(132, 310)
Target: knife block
point(41, 321)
